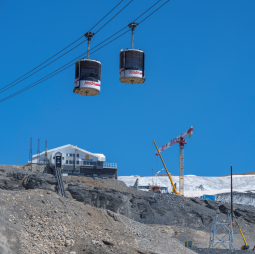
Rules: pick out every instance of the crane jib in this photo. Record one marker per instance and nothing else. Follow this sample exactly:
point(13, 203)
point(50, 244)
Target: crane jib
point(178, 139)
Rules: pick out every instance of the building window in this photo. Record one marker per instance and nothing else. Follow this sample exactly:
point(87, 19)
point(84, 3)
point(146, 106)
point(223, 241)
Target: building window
point(53, 158)
point(67, 154)
point(71, 162)
point(77, 162)
point(66, 161)
point(73, 155)
point(65, 171)
point(77, 155)
point(100, 163)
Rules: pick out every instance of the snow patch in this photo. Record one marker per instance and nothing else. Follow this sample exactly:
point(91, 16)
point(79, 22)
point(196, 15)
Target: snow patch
point(211, 185)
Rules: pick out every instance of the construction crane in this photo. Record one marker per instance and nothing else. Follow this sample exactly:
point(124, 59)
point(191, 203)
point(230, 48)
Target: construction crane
point(169, 176)
point(180, 139)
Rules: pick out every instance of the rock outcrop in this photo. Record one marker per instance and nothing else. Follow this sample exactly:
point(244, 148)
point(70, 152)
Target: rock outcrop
point(144, 207)
point(99, 216)
point(40, 221)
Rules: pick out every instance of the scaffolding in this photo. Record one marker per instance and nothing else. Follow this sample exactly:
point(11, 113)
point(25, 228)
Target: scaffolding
point(227, 240)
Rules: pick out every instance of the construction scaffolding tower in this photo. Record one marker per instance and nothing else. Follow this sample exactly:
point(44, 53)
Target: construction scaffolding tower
point(227, 229)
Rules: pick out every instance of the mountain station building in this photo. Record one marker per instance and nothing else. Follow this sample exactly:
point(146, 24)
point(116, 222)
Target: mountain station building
point(75, 161)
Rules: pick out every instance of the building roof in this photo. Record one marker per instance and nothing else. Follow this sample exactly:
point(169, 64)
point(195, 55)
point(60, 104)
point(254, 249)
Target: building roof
point(100, 156)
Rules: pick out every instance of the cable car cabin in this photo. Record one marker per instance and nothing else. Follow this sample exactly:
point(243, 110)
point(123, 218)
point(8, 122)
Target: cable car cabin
point(87, 77)
point(132, 66)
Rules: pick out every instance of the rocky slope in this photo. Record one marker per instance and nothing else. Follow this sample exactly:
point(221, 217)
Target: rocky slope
point(111, 199)
point(35, 219)
point(144, 207)
point(40, 221)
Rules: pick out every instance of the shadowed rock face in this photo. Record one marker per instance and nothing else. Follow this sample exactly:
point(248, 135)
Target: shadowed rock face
point(246, 213)
point(144, 207)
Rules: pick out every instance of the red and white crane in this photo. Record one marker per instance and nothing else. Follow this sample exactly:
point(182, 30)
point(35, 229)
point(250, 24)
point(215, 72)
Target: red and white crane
point(180, 139)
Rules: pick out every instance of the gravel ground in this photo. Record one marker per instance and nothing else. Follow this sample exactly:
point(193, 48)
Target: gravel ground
point(201, 238)
point(42, 222)
point(104, 216)
point(218, 251)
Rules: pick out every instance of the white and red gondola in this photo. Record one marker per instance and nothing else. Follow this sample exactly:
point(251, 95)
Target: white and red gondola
point(87, 74)
point(87, 77)
point(132, 63)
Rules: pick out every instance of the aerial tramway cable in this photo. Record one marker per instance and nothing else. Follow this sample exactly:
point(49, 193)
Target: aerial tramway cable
point(87, 80)
point(46, 77)
point(9, 85)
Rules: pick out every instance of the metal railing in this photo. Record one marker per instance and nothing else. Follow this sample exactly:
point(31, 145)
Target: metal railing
point(60, 182)
point(110, 165)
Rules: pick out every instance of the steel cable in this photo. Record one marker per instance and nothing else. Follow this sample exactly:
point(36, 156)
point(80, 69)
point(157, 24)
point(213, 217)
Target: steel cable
point(61, 50)
point(44, 78)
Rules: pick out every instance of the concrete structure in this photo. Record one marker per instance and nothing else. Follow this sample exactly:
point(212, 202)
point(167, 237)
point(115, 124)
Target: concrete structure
point(76, 161)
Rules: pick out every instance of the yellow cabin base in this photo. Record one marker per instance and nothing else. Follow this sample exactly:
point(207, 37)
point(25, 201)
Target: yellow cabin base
point(86, 91)
point(132, 80)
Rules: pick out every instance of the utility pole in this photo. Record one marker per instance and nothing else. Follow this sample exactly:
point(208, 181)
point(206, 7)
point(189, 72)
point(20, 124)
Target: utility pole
point(46, 152)
point(45, 155)
point(30, 154)
point(231, 194)
point(152, 178)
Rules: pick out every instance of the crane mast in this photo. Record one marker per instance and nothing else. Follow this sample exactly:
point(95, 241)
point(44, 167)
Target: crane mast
point(181, 168)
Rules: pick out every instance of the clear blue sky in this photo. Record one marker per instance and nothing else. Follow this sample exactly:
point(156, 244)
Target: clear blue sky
point(199, 71)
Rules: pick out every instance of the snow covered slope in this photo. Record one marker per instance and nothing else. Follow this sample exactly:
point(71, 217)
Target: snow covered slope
point(211, 185)
point(238, 198)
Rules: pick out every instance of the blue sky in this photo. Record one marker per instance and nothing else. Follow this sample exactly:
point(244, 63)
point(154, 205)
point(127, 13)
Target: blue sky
point(199, 71)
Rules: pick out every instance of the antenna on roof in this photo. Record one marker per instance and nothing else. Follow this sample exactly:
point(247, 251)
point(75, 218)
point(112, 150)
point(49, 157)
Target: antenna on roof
point(30, 154)
point(46, 155)
point(38, 156)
